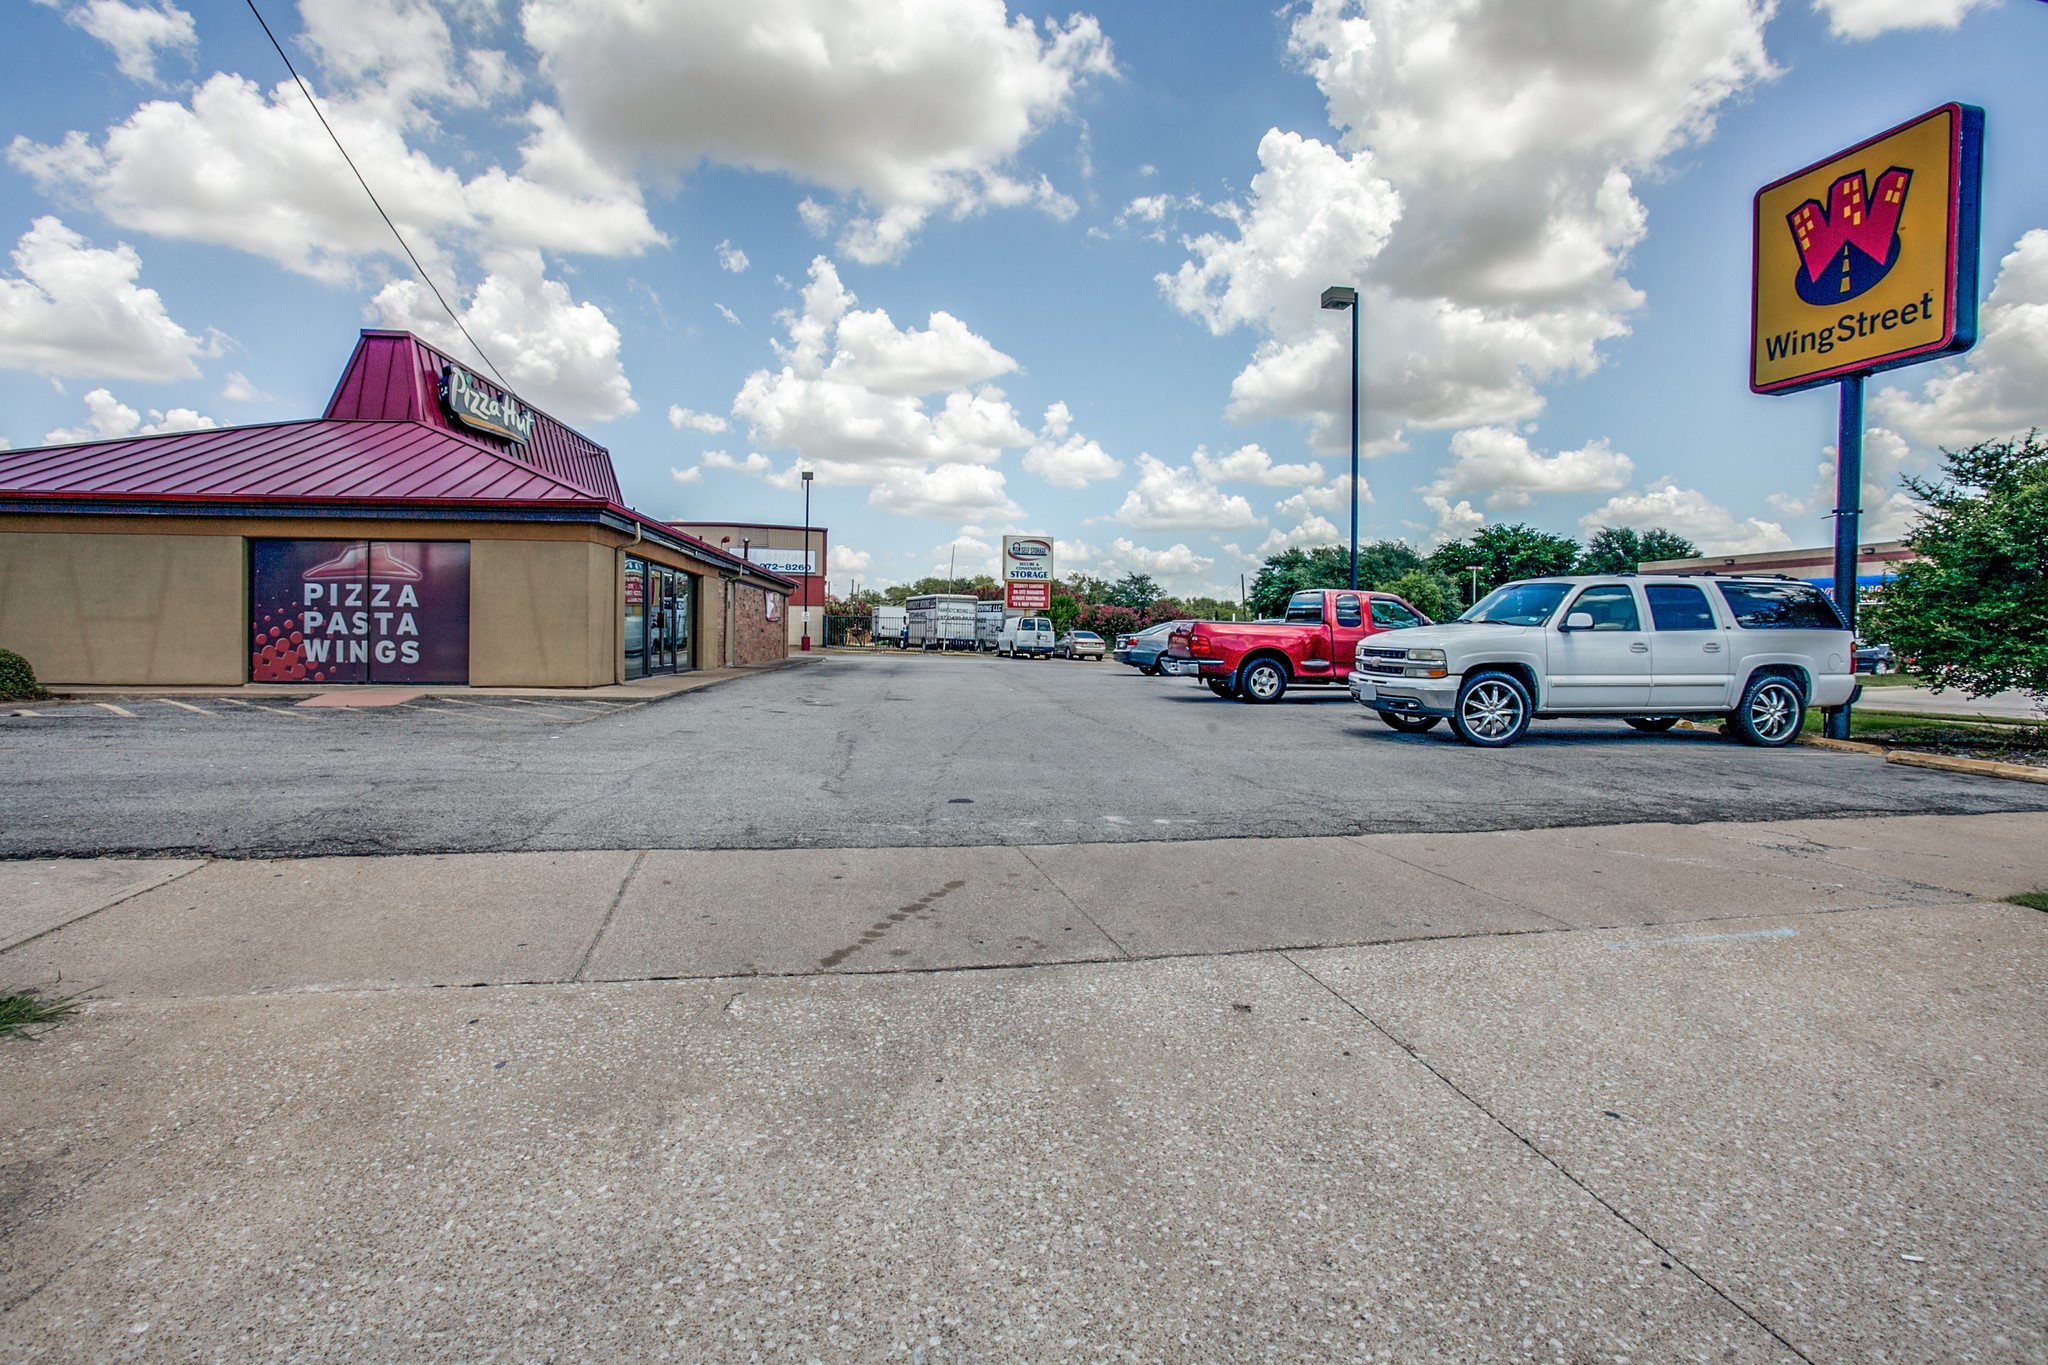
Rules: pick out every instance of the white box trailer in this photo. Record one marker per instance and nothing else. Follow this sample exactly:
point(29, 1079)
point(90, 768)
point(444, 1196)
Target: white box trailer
point(941, 620)
point(887, 625)
point(988, 625)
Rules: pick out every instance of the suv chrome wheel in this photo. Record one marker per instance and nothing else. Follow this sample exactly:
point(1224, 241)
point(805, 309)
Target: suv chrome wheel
point(1772, 711)
point(1492, 711)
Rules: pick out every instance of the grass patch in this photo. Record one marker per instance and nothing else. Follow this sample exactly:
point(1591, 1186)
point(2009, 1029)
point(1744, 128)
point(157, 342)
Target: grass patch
point(28, 1014)
point(2033, 900)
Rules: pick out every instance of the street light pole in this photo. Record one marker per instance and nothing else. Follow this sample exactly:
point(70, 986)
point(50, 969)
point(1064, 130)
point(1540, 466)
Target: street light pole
point(807, 561)
point(1473, 569)
point(1344, 297)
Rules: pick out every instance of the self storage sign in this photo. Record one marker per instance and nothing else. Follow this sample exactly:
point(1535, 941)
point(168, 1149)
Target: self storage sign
point(1868, 260)
point(1027, 559)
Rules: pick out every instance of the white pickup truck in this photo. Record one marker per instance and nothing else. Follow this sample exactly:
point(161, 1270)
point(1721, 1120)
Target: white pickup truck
point(1648, 651)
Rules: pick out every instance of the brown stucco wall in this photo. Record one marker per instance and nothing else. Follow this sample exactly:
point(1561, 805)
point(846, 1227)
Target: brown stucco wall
point(542, 613)
point(160, 608)
point(758, 639)
point(140, 601)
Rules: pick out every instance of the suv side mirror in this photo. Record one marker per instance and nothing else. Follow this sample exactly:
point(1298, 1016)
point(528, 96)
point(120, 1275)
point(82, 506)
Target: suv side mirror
point(1579, 620)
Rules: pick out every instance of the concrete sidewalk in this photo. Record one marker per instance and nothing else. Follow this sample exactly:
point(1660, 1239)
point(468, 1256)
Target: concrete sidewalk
point(1730, 1092)
point(1921, 701)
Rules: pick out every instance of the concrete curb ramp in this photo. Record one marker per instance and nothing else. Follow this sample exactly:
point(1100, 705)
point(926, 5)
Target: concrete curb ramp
point(1729, 1092)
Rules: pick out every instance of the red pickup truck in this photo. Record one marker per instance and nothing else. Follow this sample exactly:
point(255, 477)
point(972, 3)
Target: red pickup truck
point(1311, 646)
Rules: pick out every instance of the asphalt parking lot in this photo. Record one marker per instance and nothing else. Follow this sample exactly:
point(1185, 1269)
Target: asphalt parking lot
point(855, 751)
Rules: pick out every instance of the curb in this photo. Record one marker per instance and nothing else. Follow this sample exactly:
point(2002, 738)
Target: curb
point(1843, 746)
point(1978, 767)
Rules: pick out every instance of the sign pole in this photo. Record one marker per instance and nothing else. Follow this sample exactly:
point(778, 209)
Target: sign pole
point(1848, 518)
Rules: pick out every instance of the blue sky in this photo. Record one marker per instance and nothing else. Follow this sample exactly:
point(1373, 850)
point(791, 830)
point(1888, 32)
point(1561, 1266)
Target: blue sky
point(992, 269)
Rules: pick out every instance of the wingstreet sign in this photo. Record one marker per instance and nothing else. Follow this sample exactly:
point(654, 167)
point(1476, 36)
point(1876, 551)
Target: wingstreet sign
point(1868, 260)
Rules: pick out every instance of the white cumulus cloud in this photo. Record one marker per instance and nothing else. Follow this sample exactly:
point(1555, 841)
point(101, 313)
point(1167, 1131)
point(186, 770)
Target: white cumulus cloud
point(558, 354)
point(1251, 464)
point(1481, 197)
point(136, 33)
point(107, 419)
point(1691, 514)
point(731, 258)
point(1499, 465)
point(681, 417)
point(1868, 18)
point(905, 107)
point(1065, 458)
point(1175, 498)
point(904, 412)
point(72, 309)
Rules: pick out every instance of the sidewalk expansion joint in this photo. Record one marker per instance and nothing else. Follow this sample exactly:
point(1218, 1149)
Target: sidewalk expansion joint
point(98, 909)
point(625, 884)
point(1631, 1224)
point(1076, 906)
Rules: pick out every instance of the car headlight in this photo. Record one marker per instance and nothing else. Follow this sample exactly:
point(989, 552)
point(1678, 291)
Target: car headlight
point(1426, 656)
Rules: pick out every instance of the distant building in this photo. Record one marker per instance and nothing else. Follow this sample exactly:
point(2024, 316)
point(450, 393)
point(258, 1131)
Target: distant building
point(780, 551)
point(1875, 564)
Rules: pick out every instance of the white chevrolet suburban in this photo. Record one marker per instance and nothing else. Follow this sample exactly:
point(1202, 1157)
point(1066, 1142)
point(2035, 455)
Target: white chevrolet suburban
point(1648, 651)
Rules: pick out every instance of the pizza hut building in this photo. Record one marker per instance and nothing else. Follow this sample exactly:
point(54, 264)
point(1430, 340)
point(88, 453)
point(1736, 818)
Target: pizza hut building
point(428, 528)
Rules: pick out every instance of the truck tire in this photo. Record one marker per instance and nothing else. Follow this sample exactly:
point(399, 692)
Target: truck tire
point(1409, 725)
point(1771, 712)
point(1263, 682)
point(1493, 710)
point(1220, 686)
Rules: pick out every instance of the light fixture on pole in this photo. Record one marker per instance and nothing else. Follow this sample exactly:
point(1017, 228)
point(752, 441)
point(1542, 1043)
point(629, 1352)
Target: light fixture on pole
point(807, 560)
point(1344, 297)
point(1473, 569)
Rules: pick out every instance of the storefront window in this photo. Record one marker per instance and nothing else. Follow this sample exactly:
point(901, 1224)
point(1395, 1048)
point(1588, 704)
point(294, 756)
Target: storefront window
point(356, 611)
point(636, 618)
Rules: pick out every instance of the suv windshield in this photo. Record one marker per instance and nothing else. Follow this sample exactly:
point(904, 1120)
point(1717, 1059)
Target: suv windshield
point(1518, 604)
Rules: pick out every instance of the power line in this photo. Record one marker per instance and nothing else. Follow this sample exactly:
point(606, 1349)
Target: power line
point(425, 278)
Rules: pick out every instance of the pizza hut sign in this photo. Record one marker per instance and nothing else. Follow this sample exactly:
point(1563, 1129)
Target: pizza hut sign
point(474, 405)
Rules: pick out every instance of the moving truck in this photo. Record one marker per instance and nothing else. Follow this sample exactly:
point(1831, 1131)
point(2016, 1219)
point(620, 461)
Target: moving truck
point(941, 620)
point(988, 624)
point(888, 624)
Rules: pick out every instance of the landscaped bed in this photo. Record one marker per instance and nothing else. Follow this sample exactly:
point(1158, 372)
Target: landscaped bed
point(2019, 742)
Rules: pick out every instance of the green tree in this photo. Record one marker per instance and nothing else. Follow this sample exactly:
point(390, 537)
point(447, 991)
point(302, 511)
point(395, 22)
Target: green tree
point(1972, 611)
point(1063, 611)
point(1213, 609)
point(1619, 549)
point(1382, 561)
point(1429, 593)
point(1134, 590)
point(1504, 554)
point(1086, 587)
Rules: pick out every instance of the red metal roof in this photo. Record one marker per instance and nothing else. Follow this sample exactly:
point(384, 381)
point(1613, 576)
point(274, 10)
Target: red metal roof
point(346, 461)
point(396, 377)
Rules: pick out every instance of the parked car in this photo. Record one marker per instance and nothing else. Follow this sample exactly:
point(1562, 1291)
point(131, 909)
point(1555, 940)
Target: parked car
point(1026, 637)
point(1757, 651)
point(1874, 658)
point(1080, 644)
point(1142, 650)
point(1312, 645)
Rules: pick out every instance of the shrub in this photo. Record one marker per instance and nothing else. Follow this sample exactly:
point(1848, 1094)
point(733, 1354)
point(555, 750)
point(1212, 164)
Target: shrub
point(17, 679)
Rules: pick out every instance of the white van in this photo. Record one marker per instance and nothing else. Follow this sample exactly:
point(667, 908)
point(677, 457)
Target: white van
point(1024, 636)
